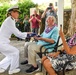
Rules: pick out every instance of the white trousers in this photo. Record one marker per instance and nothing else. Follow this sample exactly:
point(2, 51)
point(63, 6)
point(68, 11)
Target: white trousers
point(11, 56)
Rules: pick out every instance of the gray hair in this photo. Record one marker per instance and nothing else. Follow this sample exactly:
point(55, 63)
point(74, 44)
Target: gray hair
point(52, 17)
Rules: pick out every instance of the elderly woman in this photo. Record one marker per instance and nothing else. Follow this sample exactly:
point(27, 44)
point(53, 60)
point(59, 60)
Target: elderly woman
point(55, 61)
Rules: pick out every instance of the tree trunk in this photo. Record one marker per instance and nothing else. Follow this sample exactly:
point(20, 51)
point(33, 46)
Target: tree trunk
point(72, 26)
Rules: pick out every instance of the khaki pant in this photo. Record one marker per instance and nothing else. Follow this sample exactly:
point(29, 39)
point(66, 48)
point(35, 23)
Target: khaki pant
point(31, 49)
point(40, 73)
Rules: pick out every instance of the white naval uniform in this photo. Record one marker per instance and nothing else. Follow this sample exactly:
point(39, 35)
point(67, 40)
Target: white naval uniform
point(12, 54)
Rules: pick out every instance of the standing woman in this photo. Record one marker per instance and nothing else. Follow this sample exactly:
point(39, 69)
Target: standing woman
point(11, 53)
point(26, 23)
point(26, 26)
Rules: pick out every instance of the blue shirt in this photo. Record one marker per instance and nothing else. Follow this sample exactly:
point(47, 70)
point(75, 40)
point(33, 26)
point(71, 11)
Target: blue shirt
point(53, 34)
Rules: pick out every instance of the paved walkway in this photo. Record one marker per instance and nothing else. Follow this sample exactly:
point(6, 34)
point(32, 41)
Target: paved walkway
point(20, 46)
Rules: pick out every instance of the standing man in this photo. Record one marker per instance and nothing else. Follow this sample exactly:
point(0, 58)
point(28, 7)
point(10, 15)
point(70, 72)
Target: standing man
point(11, 53)
point(35, 20)
point(49, 11)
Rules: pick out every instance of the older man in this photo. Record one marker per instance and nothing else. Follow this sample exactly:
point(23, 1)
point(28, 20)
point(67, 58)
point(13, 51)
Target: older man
point(11, 53)
point(50, 35)
point(35, 20)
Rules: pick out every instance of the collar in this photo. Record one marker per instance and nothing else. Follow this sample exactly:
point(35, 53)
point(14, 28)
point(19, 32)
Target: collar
point(13, 18)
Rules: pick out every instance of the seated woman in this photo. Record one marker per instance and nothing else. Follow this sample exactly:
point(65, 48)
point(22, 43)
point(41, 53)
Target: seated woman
point(55, 61)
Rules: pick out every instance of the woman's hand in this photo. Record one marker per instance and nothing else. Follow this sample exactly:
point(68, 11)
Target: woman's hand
point(61, 32)
point(54, 54)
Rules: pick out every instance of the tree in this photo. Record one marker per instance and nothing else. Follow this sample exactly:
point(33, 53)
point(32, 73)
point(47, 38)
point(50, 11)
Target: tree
point(25, 7)
point(72, 25)
point(2, 1)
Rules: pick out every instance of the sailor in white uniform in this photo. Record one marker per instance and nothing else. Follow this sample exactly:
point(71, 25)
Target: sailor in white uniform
point(11, 53)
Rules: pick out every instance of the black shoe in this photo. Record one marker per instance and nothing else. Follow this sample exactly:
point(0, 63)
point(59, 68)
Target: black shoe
point(27, 39)
point(24, 62)
point(32, 69)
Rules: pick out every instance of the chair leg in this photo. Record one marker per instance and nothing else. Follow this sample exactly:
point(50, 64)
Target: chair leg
point(63, 71)
point(46, 73)
point(41, 67)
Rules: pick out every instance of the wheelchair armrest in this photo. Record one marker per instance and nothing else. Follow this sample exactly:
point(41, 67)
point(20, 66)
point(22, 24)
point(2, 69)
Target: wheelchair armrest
point(43, 46)
point(55, 47)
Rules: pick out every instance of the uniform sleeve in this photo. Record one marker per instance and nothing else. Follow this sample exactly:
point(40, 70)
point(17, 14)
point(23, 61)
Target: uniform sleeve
point(18, 33)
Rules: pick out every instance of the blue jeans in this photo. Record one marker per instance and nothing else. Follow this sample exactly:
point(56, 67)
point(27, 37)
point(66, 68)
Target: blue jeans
point(35, 30)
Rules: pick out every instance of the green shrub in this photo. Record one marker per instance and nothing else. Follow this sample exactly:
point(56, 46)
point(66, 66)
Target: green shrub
point(24, 8)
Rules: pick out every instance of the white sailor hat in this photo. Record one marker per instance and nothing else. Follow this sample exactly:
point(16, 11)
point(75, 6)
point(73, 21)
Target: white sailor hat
point(13, 8)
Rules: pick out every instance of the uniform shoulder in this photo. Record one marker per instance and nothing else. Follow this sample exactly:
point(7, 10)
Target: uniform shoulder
point(8, 20)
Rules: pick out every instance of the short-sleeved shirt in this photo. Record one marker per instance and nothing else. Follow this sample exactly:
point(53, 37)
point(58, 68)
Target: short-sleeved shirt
point(48, 13)
point(53, 34)
point(52, 13)
point(35, 23)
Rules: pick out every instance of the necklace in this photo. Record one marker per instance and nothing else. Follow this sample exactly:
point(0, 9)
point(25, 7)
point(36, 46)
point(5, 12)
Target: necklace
point(48, 29)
